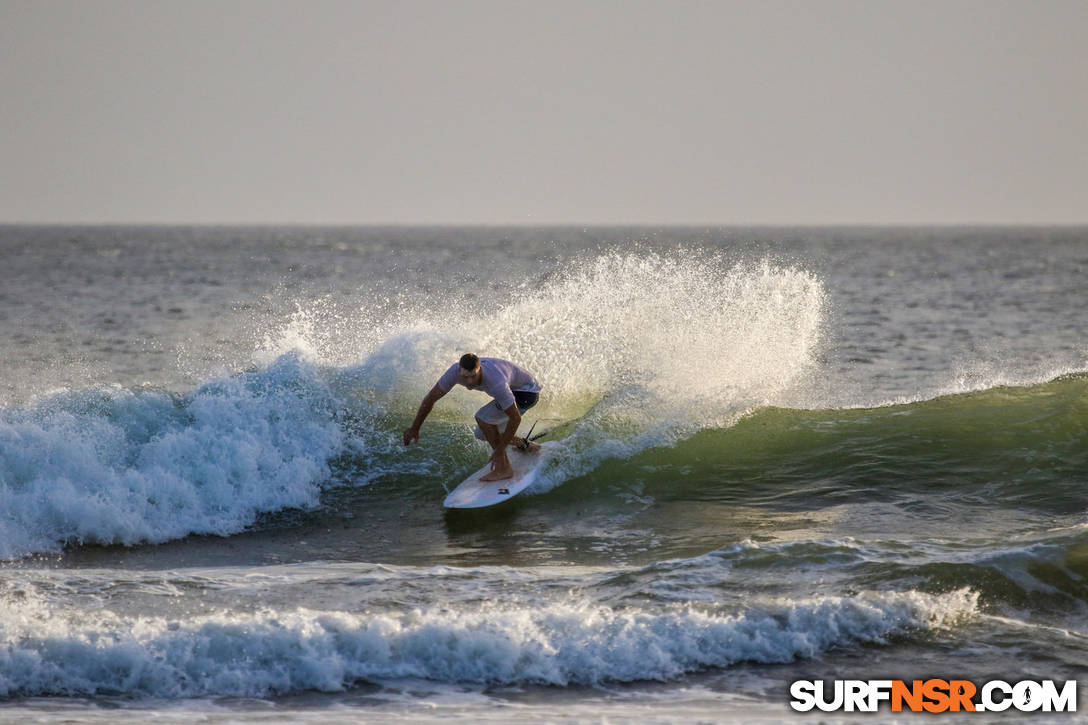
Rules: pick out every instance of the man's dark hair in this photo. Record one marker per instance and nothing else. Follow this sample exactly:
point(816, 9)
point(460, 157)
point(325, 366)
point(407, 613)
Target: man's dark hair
point(469, 361)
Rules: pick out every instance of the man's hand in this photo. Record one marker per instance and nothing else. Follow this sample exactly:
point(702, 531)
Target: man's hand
point(411, 433)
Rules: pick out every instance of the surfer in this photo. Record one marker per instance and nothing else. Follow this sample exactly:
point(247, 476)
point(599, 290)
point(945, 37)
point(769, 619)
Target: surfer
point(513, 390)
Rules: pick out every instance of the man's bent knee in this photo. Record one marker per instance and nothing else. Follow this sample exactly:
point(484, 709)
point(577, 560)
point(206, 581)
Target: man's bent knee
point(483, 428)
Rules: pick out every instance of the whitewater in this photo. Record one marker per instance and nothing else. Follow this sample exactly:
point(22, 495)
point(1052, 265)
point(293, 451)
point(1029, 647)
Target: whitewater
point(791, 454)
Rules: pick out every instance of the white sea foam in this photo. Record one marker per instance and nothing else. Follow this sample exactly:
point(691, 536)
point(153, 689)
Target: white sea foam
point(640, 348)
point(46, 650)
point(122, 466)
point(664, 346)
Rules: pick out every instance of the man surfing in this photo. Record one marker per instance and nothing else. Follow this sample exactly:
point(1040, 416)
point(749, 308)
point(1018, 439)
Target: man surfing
point(514, 391)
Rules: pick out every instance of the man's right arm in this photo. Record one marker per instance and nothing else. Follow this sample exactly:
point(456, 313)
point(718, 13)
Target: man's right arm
point(412, 432)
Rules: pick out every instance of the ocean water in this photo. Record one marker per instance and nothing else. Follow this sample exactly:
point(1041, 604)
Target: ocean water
point(788, 454)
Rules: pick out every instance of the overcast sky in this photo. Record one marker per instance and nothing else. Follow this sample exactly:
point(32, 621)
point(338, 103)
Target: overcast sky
point(610, 111)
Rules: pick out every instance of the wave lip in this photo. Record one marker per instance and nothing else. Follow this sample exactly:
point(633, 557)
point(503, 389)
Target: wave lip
point(271, 652)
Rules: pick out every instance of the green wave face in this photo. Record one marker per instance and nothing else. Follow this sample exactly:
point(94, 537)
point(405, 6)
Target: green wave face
point(1024, 446)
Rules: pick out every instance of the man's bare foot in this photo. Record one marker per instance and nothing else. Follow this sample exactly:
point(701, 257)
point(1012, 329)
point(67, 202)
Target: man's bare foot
point(498, 475)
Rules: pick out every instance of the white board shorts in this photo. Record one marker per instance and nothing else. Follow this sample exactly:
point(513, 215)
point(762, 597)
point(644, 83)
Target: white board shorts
point(493, 414)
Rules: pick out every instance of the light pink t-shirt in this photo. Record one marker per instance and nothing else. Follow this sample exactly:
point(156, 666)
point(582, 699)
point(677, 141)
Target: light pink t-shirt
point(500, 379)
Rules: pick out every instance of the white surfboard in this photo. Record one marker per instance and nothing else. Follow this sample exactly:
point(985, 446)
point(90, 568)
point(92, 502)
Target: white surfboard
point(474, 493)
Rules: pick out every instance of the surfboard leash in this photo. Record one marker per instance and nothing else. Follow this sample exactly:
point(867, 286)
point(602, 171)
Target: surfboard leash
point(529, 437)
point(524, 445)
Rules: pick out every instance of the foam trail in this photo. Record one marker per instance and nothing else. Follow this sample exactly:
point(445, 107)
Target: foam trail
point(55, 652)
